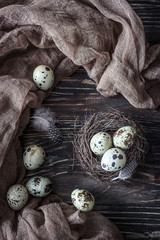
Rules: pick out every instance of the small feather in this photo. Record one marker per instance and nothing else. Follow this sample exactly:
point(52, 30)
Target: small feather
point(44, 120)
point(127, 171)
point(56, 135)
point(45, 113)
point(40, 124)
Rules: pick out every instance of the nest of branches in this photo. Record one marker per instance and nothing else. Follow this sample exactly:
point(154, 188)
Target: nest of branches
point(108, 122)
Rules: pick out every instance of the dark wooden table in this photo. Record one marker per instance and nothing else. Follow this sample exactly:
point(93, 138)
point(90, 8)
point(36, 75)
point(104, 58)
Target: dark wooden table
point(133, 205)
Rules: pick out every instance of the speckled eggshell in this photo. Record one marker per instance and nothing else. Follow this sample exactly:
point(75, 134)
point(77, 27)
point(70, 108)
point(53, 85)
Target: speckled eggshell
point(39, 186)
point(43, 77)
point(124, 137)
point(17, 196)
point(33, 157)
point(100, 143)
point(82, 200)
point(113, 160)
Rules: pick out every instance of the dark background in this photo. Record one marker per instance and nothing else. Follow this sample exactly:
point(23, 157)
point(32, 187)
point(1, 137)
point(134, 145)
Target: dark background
point(133, 205)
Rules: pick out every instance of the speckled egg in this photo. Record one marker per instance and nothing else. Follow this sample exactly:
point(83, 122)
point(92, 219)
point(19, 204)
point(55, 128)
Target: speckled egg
point(82, 200)
point(39, 186)
point(124, 137)
point(17, 196)
point(113, 160)
point(43, 77)
point(100, 143)
point(33, 157)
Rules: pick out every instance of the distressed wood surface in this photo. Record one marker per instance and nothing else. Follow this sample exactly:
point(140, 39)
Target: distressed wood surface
point(133, 205)
point(149, 12)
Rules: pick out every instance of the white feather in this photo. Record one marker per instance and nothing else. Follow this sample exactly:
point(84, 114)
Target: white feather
point(41, 124)
point(127, 171)
point(43, 119)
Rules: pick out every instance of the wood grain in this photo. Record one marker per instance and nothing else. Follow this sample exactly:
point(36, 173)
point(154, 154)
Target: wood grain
point(149, 12)
point(133, 205)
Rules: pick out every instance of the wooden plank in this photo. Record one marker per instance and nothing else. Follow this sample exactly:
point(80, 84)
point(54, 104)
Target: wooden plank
point(149, 12)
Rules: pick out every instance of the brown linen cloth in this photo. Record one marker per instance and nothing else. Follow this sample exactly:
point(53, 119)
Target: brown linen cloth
point(107, 39)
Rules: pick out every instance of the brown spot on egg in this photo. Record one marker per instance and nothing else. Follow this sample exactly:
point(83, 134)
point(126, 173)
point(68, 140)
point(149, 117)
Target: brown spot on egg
point(120, 132)
point(79, 195)
point(37, 181)
point(47, 68)
point(48, 188)
point(88, 197)
point(120, 156)
point(113, 164)
point(86, 205)
point(33, 151)
point(114, 156)
point(128, 142)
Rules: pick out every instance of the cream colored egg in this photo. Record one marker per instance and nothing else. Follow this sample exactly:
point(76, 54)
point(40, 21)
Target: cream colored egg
point(124, 137)
point(17, 196)
point(113, 160)
point(82, 200)
point(33, 157)
point(43, 77)
point(100, 143)
point(39, 186)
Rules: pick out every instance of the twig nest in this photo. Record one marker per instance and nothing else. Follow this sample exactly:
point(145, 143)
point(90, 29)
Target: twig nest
point(100, 143)
point(17, 196)
point(39, 186)
point(124, 137)
point(82, 200)
point(33, 157)
point(127, 134)
point(43, 77)
point(113, 160)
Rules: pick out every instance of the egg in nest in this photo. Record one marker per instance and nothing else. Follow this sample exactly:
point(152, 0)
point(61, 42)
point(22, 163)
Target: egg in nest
point(124, 137)
point(113, 160)
point(100, 143)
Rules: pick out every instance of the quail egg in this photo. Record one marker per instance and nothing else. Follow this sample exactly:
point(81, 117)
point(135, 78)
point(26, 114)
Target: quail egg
point(43, 77)
point(124, 137)
point(113, 160)
point(100, 143)
point(33, 157)
point(17, 196)
point(39, 186)
point(82, 200)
